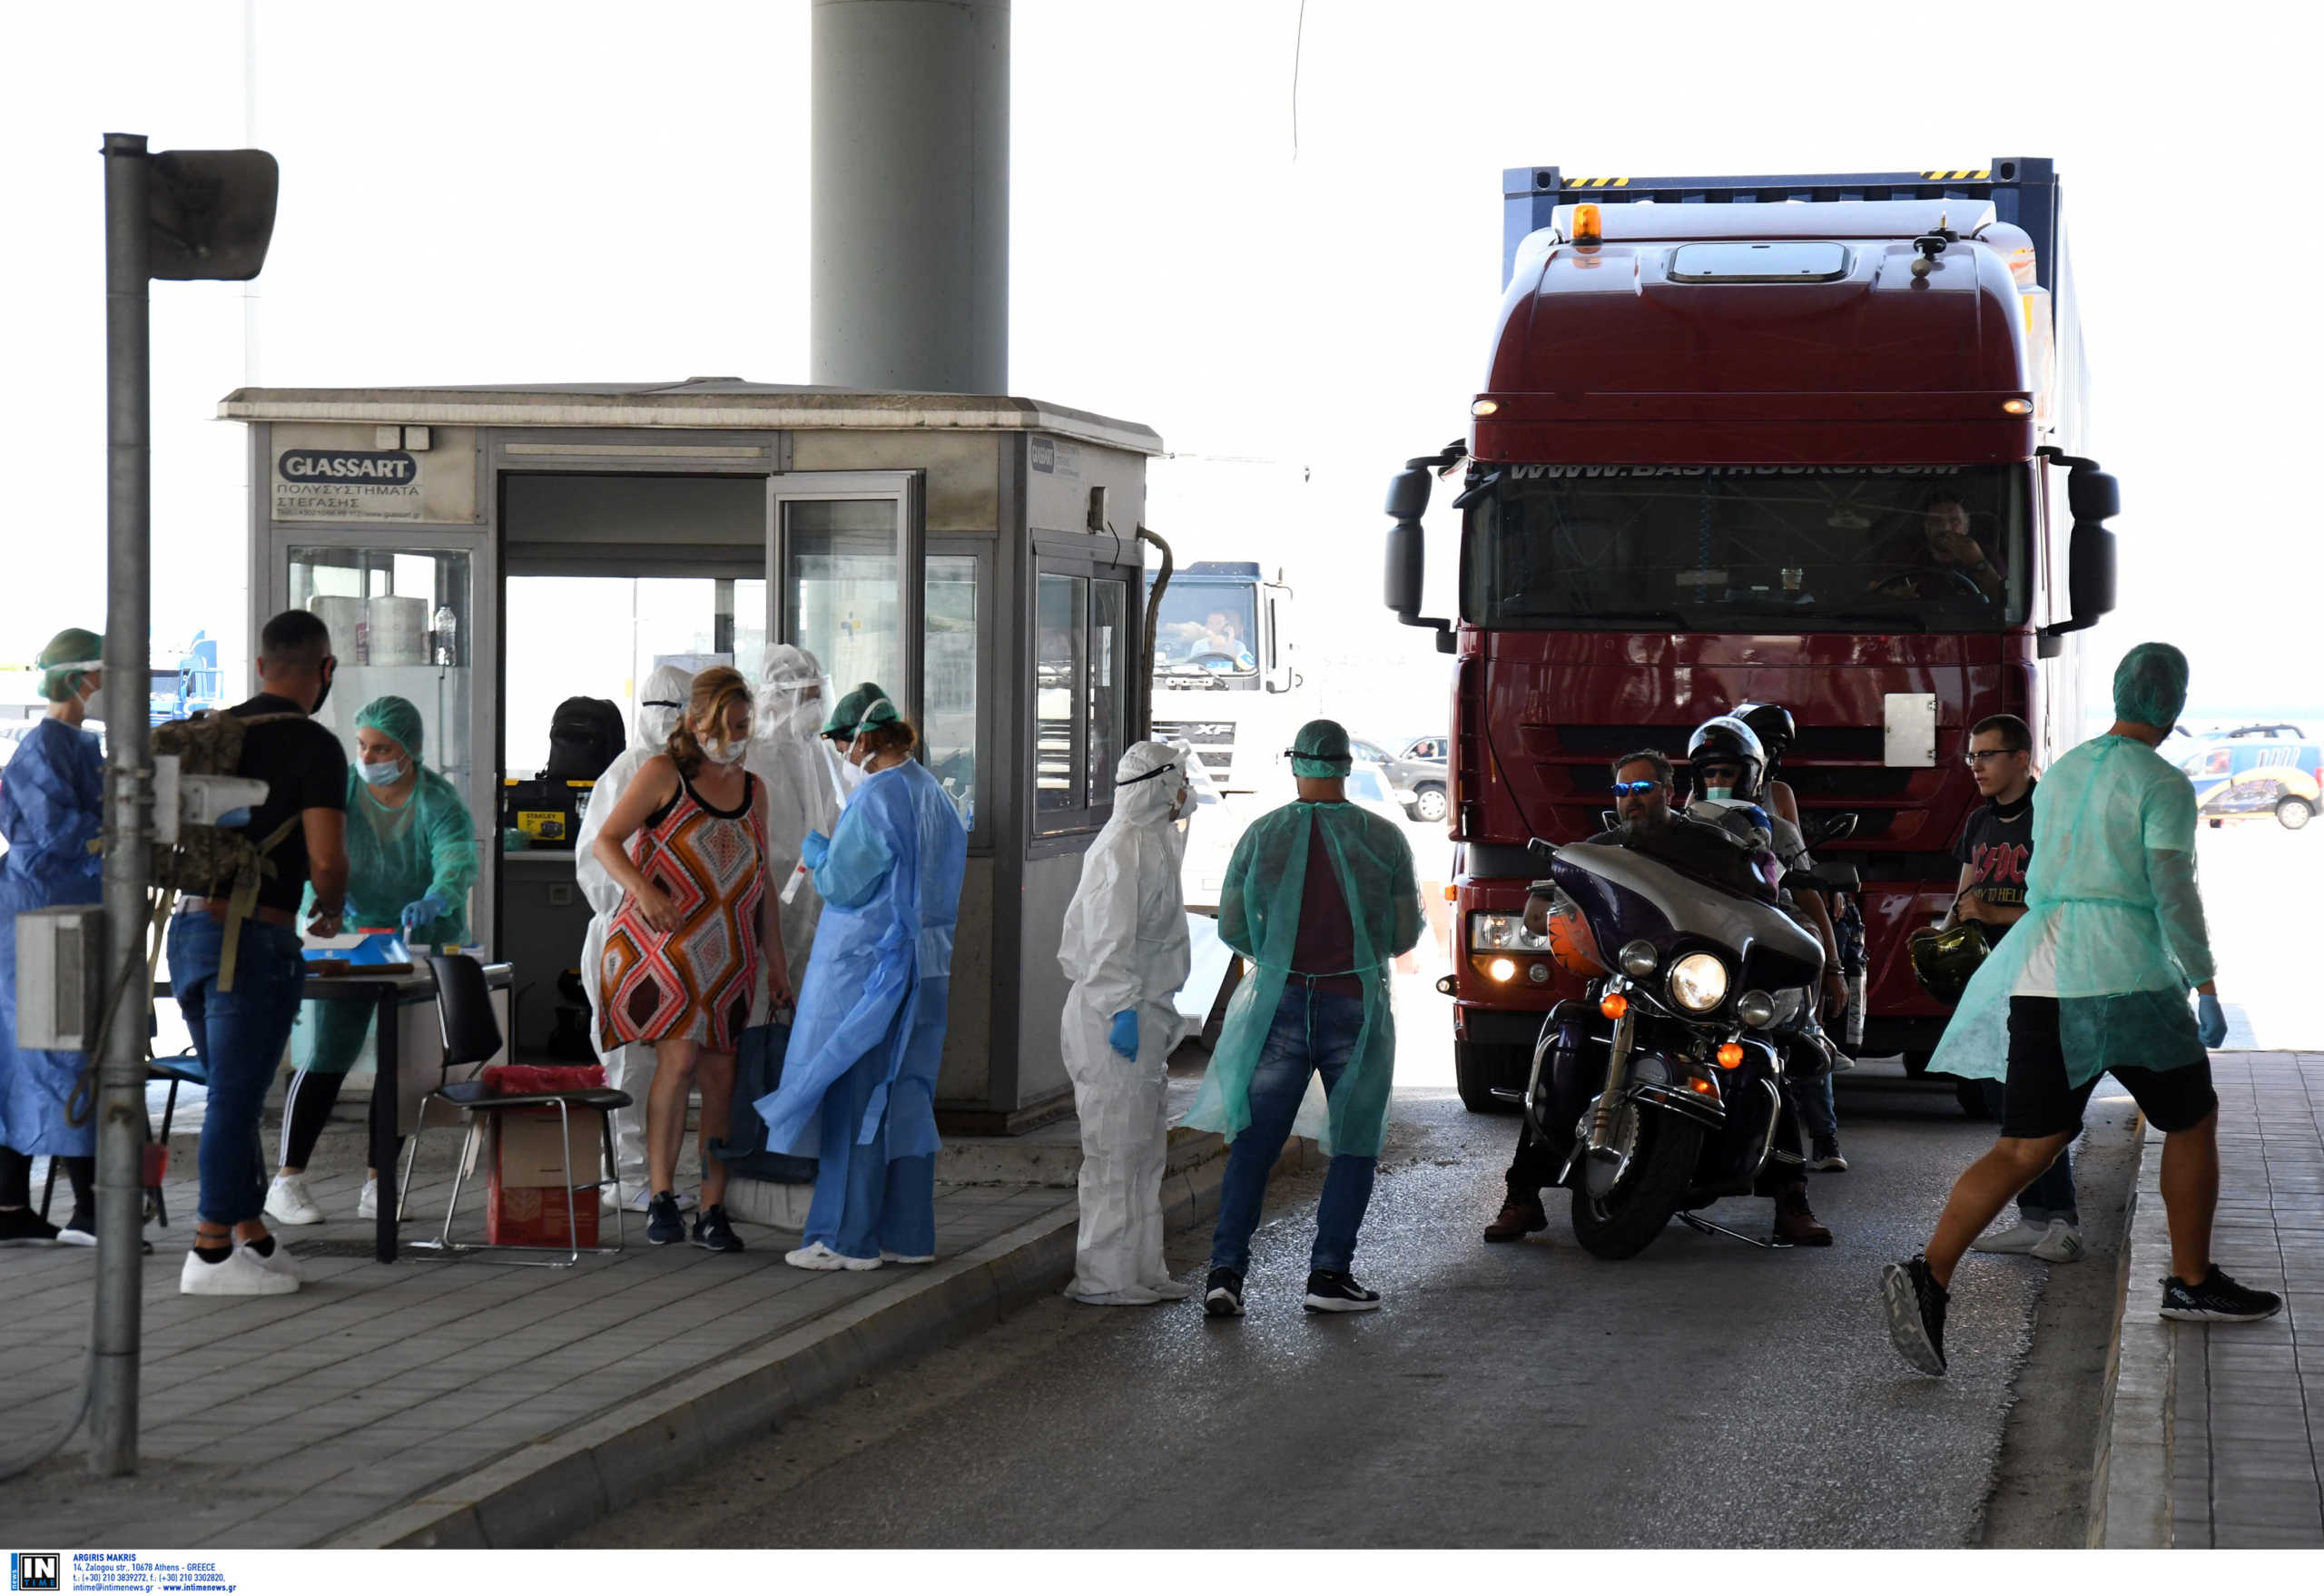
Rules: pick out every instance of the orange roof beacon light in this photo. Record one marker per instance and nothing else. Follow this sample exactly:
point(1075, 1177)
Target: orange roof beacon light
point(1589, 226)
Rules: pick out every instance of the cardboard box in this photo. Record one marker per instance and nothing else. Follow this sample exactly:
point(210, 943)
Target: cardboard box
point(525, 1196)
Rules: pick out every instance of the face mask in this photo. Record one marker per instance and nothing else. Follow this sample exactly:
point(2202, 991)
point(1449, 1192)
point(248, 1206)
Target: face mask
point(726, 753)
point(383, 774)
point(330, 673)
point(1718, 794)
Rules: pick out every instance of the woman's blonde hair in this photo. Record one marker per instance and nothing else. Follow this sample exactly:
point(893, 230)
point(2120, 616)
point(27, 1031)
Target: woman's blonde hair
point(714, 690)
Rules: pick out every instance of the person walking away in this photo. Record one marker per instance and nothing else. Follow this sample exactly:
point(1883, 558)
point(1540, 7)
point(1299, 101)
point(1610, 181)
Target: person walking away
point(1997, 845)
point(802, 783)
point(1321, 897)
point(1776, 731)
point(628, 1067)
point(1126, 949)
point(697, 929)
point(858, 1079)
point(2094, 979)
point(52, 811)
point(411, 859)
point(237, 977)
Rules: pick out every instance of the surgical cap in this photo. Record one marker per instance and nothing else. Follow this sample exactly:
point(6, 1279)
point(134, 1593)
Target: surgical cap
point(71, 651)
point(2150, 686)
point(393, 717)
point(868, 705)
point(1321, 751)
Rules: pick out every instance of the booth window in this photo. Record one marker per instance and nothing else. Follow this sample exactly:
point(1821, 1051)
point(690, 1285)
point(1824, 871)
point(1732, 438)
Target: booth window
point(1080, 662)
point(401, 621)
point(842, 601)
point(949, 678)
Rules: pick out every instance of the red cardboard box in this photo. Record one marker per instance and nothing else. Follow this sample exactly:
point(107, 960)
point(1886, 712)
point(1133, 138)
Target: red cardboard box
point(525, 1196)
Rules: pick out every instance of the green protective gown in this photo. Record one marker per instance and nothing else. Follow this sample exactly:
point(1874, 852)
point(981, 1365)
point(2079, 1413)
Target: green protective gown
point(395, 857)
point(1258, 917)
point(2111, 890)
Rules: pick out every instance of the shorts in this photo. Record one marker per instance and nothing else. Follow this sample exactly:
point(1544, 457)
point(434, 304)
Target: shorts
point(2039, 1103)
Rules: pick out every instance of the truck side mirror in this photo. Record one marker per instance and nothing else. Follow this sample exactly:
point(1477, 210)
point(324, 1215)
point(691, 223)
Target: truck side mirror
point(1407, 560)
point(2093, 496)
point(1408, 550)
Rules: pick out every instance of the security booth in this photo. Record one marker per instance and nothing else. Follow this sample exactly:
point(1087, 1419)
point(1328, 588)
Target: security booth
point(490, 554)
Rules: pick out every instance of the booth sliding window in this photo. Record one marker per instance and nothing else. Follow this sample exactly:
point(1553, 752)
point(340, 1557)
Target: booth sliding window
point(400, 623)
point(1081, 663)
point(949, 678)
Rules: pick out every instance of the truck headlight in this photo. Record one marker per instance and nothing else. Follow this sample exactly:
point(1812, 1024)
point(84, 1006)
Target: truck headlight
point(1698, 983)
point(1504, 933)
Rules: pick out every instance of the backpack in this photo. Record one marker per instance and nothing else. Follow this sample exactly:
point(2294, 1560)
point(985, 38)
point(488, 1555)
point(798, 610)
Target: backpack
point(209, 861)
point(584, 736)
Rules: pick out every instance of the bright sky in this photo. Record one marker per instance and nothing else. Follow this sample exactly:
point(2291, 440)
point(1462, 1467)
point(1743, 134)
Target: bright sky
point(482, 191)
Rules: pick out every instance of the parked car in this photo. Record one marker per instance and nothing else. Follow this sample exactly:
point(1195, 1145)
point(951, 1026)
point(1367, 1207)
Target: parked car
point(2258, 776)
point(1434, 750)
point(1369, 787)
point(1418, 784)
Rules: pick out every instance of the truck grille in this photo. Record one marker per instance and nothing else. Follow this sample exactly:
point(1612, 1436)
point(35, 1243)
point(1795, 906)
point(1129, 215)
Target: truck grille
point(1828, 766)
point(1201, 734)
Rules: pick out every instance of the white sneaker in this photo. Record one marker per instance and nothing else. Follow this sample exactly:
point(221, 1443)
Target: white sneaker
point(2060, 1243)
point(289, 1202)
point(243, 1273)
point(1168, 1290)
point(816, 1256)
point(279, 1261)
point(888, 1257)
point(367, 1206)
point(79, 1231)
point(2020, 1238)
point(1132, 1298)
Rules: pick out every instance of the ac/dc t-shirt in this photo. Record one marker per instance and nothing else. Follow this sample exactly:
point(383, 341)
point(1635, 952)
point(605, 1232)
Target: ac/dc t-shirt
point(1997, 845)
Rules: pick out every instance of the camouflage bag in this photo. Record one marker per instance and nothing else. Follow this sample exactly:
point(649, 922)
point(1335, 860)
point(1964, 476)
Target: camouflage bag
point(211, 861)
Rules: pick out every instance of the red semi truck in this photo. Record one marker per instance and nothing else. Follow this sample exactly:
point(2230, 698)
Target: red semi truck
point(1807, 439)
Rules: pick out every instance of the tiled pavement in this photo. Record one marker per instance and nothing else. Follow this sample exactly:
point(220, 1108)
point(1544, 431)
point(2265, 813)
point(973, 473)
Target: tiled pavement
point(2218, 1436)
point(287, 1421)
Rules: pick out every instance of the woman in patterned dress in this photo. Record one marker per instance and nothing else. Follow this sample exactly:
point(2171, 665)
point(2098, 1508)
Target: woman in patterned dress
point(697, 923)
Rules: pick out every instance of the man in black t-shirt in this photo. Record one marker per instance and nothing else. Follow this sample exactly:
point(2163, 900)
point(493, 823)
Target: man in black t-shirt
point(1996, 848)
point(240, 1034)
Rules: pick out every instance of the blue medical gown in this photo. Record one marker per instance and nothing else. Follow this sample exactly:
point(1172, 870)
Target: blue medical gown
point(52, 807)
point(880, 978)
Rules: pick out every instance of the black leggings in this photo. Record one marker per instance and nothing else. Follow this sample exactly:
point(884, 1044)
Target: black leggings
point(305, 1107)
point(16, 1181)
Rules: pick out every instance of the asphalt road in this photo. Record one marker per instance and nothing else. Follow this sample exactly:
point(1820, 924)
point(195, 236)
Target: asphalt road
point(1704, 1394)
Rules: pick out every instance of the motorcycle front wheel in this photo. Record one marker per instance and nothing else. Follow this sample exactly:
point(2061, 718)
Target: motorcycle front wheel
point(1625, 1220)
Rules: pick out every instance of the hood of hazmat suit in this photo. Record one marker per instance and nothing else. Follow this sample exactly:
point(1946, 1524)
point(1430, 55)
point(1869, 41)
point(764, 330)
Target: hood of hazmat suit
point(425, 844)
point(1258, 917)
point(661, 703)
point(52, 807)
point(800, 773)
point(1126, 949)
point(2114, 924)
point(879, 979)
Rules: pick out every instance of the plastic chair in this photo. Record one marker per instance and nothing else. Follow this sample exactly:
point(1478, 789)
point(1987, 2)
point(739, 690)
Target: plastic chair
point(472, 1036)
point(184, 1066)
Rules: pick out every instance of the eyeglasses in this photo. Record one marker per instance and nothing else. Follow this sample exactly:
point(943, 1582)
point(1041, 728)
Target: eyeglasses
point(1633, 789)
point(1978, 756)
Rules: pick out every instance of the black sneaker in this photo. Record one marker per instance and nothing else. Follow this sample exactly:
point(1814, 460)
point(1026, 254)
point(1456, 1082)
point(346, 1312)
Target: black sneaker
point(1222, 1294)
point(1827, 1159)
point(1335, 1291)
point(663, 1222)
point(23, 1227)
point(711, 1230)
point(2217, 1298)
point(1915, 1304)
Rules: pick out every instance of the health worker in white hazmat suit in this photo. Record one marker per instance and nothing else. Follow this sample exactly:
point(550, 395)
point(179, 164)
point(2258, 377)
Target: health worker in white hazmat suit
point(1126, 948)
point(804, 788)
point(660, 704)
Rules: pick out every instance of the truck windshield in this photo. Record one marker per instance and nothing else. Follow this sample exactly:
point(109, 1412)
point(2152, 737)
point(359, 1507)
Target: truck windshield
point(1207, 629)
point(1723, 549)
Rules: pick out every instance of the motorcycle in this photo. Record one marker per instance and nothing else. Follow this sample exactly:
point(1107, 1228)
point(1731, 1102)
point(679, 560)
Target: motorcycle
point(1663, 1086)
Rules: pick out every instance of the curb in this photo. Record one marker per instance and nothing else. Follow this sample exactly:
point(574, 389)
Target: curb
point(2130, 1482)
point(550, 1488)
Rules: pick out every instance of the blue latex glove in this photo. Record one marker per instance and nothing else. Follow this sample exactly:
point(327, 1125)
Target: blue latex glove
point(1124, 1036)
point(813, 848)
point(2211, 1020)
point(426, 912)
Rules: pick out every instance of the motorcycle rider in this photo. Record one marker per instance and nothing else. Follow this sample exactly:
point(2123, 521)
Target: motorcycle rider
point(1643, 782)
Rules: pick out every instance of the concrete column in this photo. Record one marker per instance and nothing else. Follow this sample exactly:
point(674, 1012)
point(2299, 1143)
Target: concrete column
point(909, 259)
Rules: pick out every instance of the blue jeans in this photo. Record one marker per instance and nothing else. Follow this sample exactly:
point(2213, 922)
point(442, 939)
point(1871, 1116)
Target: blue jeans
point(1817, 1109)
point(1314, 1033)
point(2050, 1195)
point(866, 1203)
point(240, 1037)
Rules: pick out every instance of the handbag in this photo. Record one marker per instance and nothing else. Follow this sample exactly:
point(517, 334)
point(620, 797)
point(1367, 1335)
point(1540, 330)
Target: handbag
point(758, 1070)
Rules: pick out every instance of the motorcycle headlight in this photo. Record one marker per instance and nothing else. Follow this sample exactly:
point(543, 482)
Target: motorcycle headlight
point(1639, 958)
point(1504, 933)
point(1755, 1008)
point(1699, 983)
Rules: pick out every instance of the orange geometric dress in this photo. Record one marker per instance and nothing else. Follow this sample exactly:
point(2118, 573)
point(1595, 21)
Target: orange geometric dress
point(695, 983)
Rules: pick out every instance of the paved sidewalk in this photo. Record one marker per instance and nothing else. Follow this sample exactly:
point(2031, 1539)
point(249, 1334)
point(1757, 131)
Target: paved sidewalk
point(468, 1401)
point(2217, 1434)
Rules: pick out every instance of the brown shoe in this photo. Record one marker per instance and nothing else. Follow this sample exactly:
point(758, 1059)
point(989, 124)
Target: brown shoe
point(1518, 1219)
point(1795, 1222)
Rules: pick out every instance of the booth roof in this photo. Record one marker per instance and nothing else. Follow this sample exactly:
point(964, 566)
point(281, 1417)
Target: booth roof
point(726, 402)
